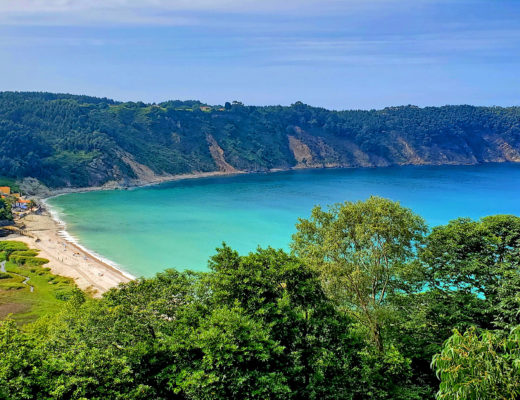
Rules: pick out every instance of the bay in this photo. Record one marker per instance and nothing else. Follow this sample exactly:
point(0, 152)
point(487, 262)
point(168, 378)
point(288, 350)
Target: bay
point(179, 224)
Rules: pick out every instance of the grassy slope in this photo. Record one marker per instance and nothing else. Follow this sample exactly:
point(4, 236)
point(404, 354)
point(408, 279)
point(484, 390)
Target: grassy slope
point(49, 295)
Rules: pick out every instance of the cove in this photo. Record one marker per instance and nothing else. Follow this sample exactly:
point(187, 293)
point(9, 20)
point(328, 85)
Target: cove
point(179, 224)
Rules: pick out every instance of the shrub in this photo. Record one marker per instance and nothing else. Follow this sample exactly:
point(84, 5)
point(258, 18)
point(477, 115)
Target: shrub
point(36, 262)
point(25, 253)
point(11, 246)
point(28, 261)
point(12, 285)
point(64, 295)
point(4, 275)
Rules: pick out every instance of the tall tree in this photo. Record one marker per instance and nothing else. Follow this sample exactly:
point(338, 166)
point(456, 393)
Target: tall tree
point(481, 258)
point(363, 252)
point(320, 350)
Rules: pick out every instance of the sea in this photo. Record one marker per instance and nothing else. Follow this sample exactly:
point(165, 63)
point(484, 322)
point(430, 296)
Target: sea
point(180, 224)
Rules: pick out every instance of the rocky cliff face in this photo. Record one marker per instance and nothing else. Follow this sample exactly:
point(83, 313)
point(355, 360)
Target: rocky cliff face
point(398, 149)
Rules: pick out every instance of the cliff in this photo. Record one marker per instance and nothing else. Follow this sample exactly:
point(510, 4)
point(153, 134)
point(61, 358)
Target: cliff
point(80, 141)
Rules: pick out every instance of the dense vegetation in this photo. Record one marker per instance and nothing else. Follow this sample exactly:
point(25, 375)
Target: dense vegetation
point(358, 311)
point(6, 215)
point(66, 140)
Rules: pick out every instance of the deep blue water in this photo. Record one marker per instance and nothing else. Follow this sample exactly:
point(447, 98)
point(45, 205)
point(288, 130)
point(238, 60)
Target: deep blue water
point(179, 224)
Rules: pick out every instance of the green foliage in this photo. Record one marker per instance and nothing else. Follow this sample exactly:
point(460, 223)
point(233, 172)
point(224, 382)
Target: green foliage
point(16, 364)
point(479, 366)
point(257, 326)
point(469, 255)
point(66, 140)
point(356, 313)
point(28, 261)
point(25, 253)
point(236, 359)
point(49, 292)
point(10, 246)
point(363, 253)
point(318, 342)
point(12, 285)
point(479, 258)
point(5, 211)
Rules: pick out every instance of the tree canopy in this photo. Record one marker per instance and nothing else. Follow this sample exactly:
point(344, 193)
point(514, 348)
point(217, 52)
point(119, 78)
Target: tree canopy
point(369, 305)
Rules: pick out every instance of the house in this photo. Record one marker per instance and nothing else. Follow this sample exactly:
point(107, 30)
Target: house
point(5, 190)
point(205, 108)
point(22, 203)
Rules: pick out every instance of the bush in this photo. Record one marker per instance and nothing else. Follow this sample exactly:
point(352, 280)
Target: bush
point(11, 246)
point(28, 261)
point(4, 275)
point(12, 285)
point(64, 295)
point(25, 253)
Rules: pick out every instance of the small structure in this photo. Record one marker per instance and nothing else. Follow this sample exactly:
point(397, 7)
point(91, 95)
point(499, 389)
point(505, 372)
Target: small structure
point(205, 108)
point(5, 190)
point(22, 204)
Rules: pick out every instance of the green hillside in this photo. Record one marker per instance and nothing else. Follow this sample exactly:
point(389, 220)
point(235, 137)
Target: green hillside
point(66, 140)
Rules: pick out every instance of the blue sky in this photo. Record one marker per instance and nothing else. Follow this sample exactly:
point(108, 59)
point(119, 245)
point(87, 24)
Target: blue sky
point(339, 54)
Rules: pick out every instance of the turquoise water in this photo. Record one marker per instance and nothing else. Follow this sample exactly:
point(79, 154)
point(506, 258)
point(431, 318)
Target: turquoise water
point(179, 224)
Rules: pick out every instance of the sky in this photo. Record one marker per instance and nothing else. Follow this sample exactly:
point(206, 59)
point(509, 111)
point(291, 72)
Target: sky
point(338, 54)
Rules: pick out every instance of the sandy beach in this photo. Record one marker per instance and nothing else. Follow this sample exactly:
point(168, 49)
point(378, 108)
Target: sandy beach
point(66, 258)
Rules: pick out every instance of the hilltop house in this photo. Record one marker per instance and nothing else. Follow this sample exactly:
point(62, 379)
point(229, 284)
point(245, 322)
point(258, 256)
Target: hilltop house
point(5, 190)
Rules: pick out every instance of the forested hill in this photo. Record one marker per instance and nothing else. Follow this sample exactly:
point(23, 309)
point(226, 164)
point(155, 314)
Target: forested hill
point(66, 140)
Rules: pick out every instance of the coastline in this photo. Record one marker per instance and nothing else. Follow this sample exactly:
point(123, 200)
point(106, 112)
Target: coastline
point(89, 271)
point(157, 180)
point(67, 257)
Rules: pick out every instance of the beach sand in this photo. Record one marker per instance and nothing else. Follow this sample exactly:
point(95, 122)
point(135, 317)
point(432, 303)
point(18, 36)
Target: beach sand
point(66, 258)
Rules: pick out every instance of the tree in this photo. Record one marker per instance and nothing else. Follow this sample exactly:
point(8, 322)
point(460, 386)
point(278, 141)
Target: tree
point(362, 252)
point(5, 211)
point(479, 258)
point(421, 322)
point(320, 348)
point(482, 366)
point(17, 363)
point(235, 359)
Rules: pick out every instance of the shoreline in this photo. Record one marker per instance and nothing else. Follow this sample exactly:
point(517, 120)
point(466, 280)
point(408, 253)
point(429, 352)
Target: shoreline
point(61, 227)
point(90, 271)
point(93, 272)
point(159, 179)
point(113, 185)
